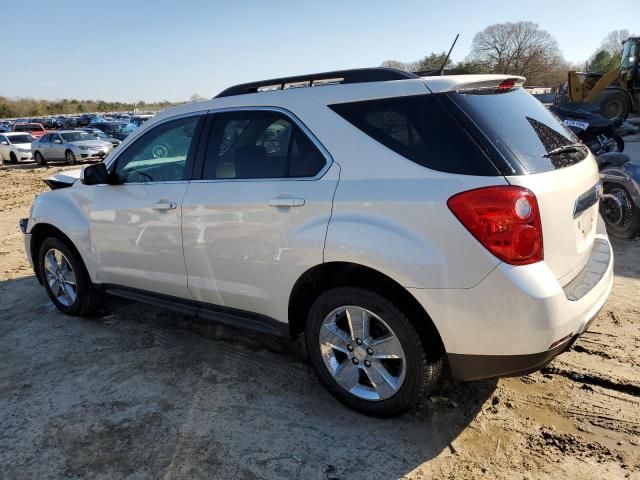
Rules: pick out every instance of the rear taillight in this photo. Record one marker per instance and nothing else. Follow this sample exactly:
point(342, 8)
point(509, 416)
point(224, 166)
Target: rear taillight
point(505, 219)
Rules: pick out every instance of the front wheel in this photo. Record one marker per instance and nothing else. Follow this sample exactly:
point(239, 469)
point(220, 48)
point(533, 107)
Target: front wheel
point(368, 354)
point(620, 212)
point(70, 157)
point(65, 278)
point(40, 159)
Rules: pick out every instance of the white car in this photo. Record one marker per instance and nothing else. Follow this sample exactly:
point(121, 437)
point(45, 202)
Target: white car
point(390, 224)
point(16, 146)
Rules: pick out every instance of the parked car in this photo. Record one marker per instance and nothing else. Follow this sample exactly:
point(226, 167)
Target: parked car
point(5, 126)
point(35, 129)
point(69, 145)
point(119, 130)
point(100, 135)
point(15, 146)
point(390, 226)
point(138, 120)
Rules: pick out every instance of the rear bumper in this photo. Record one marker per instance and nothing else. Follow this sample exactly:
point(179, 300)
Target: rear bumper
point(518, 318)
point(476, 367)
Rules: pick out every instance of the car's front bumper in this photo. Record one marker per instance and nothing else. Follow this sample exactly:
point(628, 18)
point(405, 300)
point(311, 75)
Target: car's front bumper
point(92, 154)
point(23, 156)
point(518, 318)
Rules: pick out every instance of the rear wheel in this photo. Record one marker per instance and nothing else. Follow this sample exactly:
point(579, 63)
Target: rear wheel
point(368, 354)
point(619, 212)
point(614, 104)
point(70, 157)
point(66, 279)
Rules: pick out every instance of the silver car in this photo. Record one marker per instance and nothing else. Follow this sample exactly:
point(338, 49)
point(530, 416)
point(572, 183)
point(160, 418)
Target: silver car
point(69, 145)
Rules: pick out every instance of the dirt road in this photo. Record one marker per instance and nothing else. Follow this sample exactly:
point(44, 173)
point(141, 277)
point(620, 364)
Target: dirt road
point(145, 393)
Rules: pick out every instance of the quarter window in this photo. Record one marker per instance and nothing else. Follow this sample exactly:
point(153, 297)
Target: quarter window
point(160, 155)
point(259, 144)
point(420, 129)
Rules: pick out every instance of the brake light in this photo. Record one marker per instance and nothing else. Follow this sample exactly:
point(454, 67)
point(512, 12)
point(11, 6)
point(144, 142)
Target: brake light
point(504, 219)
point(507, 84)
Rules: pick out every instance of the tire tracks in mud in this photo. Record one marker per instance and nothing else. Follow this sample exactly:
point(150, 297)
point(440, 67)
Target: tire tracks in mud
point(597, 380)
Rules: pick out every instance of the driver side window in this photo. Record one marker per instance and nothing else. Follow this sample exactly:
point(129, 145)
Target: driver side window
point(161, 154)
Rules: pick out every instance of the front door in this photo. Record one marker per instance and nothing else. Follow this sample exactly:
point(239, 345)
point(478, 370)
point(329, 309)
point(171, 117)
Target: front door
point(258, 217)
point(136, 224)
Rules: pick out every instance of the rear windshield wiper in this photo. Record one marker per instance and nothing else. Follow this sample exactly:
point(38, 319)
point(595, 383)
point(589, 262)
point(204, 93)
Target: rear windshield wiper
point(574, 147)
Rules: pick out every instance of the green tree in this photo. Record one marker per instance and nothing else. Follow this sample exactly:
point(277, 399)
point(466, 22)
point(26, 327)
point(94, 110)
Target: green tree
point(603, 62)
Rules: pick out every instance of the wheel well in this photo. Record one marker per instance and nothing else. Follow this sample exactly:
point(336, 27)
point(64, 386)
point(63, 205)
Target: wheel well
point(324, 277)
point(38, 234)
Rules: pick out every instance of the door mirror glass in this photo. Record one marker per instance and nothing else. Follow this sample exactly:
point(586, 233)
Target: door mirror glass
point(95, 174)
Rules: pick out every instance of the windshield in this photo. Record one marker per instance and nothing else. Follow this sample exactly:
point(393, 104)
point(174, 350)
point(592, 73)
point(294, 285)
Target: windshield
point(20, 138)
point(521, 123)
point(77, 136)
point(628, 54)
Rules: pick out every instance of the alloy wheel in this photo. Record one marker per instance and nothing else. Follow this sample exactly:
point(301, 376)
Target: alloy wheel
point(60, 277)
point(362, 353)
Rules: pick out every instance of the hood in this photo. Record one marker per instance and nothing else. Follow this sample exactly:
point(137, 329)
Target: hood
point(62, 179)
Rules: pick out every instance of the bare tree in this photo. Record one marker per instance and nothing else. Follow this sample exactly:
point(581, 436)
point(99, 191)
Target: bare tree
point(395, 64)
point(612, 43)
point(520, 48)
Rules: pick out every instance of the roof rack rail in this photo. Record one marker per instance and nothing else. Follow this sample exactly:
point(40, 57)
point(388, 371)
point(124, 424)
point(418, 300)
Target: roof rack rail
point(357, 75)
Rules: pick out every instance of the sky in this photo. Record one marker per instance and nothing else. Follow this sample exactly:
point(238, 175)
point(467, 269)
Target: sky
point(151, 50)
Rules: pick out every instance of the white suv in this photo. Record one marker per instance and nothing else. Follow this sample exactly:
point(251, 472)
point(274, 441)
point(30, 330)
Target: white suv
point(391, 224)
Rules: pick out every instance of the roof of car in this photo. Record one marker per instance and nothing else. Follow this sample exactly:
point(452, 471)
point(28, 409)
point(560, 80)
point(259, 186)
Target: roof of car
point(296, 96)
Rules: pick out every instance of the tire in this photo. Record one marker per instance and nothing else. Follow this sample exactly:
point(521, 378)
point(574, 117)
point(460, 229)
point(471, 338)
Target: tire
point(614, 104)
point(625, 225)
point(13, 158)
point(412, 378)
point(70, 157)
point(81, 299)
point(40, 159)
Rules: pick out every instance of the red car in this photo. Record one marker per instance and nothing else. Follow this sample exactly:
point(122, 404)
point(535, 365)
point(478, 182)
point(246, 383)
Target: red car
point(35, 129)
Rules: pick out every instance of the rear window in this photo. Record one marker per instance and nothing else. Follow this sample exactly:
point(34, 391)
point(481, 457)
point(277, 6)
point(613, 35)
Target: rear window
point(421, 129)
point(524, 126)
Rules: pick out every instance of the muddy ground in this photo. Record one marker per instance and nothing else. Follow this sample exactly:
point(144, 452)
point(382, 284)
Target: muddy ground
point(144, 393)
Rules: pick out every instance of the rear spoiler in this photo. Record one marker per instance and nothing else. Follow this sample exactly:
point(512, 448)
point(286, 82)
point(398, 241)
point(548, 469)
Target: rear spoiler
point(474, 83)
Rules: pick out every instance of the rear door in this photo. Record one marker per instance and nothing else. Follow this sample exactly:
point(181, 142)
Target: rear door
point(564, 182)
point(258, 217)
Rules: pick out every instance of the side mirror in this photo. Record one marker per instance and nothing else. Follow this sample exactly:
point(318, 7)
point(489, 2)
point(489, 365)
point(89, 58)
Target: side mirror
point(57, 141)
point(96, 174)
point(4, 142)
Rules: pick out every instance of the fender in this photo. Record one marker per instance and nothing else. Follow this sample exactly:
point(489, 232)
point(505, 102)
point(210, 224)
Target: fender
point(67, 210)
point(627, 175)
point(402, 254)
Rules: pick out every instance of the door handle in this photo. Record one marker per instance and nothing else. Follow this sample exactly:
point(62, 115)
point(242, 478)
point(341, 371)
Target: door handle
point(286, 202)
point(165, 206)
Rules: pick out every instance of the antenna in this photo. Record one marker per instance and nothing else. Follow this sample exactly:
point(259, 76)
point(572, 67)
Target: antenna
point(446, 59)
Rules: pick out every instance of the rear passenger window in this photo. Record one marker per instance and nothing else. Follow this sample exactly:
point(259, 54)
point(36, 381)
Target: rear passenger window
point(420, 129)
point(259, 144)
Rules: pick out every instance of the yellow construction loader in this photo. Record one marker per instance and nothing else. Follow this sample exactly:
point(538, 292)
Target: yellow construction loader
point(618, 91)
